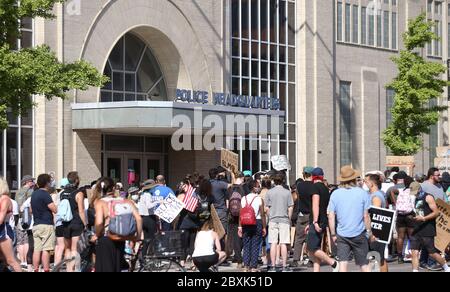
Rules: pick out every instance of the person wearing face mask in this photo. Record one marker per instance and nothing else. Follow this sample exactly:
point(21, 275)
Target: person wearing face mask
point(220, 194)
point(378, 200)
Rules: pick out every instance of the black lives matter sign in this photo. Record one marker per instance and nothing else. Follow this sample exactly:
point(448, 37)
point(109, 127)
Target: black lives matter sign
point(383, 222)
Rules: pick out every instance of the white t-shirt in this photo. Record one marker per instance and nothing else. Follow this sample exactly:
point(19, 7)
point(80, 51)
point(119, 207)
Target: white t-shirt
point(256, 205)
point(15, 208)
point(26, 204)
point(204, 244)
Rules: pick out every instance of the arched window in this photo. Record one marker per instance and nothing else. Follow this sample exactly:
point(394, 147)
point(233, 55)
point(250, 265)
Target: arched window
point(134, 73)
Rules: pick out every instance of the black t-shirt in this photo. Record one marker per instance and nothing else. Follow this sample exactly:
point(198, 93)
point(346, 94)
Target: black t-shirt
point(305, 190)
point(71, 193)
point(220, 194)
point(324, 194)
point(40, 199)
point(428, 228)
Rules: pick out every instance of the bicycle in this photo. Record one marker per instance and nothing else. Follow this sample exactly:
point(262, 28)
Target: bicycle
point(163, 254)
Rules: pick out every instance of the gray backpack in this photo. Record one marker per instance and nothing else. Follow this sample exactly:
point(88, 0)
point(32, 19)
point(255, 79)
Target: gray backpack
point(122, 223)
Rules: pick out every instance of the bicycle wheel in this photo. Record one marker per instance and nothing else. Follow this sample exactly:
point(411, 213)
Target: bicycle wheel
point(155, 265)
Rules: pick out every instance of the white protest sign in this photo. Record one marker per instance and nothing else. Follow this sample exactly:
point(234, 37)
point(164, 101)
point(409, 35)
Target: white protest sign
point(280, 162)
point(169, 209)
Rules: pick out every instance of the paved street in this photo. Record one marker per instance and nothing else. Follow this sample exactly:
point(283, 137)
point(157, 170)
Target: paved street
point(393, 267)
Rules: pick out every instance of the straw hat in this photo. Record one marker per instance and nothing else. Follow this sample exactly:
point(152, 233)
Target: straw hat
point(348, 174)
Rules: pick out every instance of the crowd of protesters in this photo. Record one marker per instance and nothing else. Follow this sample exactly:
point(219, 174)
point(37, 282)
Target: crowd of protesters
point(265, 225)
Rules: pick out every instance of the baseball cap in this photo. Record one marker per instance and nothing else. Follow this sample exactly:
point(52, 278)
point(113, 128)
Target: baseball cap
point(308, 169)
point(317, 172)
point(133, 190)
point(149, 184)
point(247, 173)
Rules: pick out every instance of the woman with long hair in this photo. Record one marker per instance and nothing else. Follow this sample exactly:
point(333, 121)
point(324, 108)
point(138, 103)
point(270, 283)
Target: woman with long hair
point(6, 232)
point(110, 249)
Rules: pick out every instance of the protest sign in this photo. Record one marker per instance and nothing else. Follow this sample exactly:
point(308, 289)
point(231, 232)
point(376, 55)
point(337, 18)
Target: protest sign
point(229, 160)
point(280, 162)
point(169, 209)
point(443, 226)
point(383, 223)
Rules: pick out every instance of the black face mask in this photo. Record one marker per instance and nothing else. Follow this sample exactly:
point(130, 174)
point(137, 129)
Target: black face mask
point(221, 177)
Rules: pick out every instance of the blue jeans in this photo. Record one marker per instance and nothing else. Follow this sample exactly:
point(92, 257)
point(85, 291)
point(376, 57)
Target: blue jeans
point(252, 239)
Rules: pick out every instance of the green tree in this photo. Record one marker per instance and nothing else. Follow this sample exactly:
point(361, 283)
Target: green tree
point(34, 71)
point(418, 84)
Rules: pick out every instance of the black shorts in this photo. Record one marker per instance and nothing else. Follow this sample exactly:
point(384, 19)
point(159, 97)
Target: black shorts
point(71, 230)
point(379, 248)
point(314, 239)
point(359, 245)
point(204, 263)
point(59, 231)
point(420, 242)
point(406, 221)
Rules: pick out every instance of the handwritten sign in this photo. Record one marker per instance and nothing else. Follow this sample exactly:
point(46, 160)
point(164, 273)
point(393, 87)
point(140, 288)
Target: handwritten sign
point(280, 162)
point(399, 160)
point(443, 226)
point(382, 222)
point(169, 209)
point(229, 160)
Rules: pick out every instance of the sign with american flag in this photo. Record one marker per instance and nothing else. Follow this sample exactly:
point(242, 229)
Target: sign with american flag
point(190, 199)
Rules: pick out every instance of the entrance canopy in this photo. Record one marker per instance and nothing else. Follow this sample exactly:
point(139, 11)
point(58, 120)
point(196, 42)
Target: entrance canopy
point(166, 117)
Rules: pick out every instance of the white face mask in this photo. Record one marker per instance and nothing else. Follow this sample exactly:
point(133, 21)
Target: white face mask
point(135, 197)
point(365, 187)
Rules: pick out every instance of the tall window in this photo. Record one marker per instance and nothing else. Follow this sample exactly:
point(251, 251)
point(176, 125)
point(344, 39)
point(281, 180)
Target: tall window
point(363, 25)
point(345, 123)
point(386, 29)
point(355, 24)
point(347, 22)
point(434, 13)
point(374, 26)
point(394, 31)
point(16, 142)
point(339, 21)
point(264, 64)
point(134, 73)
point(390, 93)
point(434, 137)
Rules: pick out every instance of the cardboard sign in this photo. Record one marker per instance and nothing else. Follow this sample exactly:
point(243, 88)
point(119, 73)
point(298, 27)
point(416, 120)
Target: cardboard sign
point(169, 209)
point(229, 160)
point(399, 160)
point(280, 162)
point(383, 223)
point(443, 226)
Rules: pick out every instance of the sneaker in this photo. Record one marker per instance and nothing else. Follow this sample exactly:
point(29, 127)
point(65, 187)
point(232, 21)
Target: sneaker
point(295, 264)
point(400, 261)
point(286, 270)
point(423, 266)
point(435, 268)
point(336, 269)
point(225, 264)
point(272, 270)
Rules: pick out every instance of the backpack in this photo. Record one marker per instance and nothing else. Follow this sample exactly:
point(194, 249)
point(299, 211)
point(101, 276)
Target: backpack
point(122, 223)
point(203, 210)
point(64, 209)
point(404, 205)
point(248, 216)
point(26, 218)
point(235, 204)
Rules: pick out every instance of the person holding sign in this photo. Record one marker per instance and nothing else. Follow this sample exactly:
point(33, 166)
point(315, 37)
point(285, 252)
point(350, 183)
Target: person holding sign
point(378, 200)
point(425, 231)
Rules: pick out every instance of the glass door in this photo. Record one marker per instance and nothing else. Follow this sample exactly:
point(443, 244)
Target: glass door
point(133, 170)
point(114, 167)
point(154, 166)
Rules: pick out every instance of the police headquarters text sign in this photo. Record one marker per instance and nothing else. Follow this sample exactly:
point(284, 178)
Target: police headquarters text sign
point(383, 222)
point(222, 99)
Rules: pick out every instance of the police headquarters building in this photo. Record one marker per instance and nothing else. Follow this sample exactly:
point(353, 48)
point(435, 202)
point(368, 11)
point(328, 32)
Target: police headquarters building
point(260, 77)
